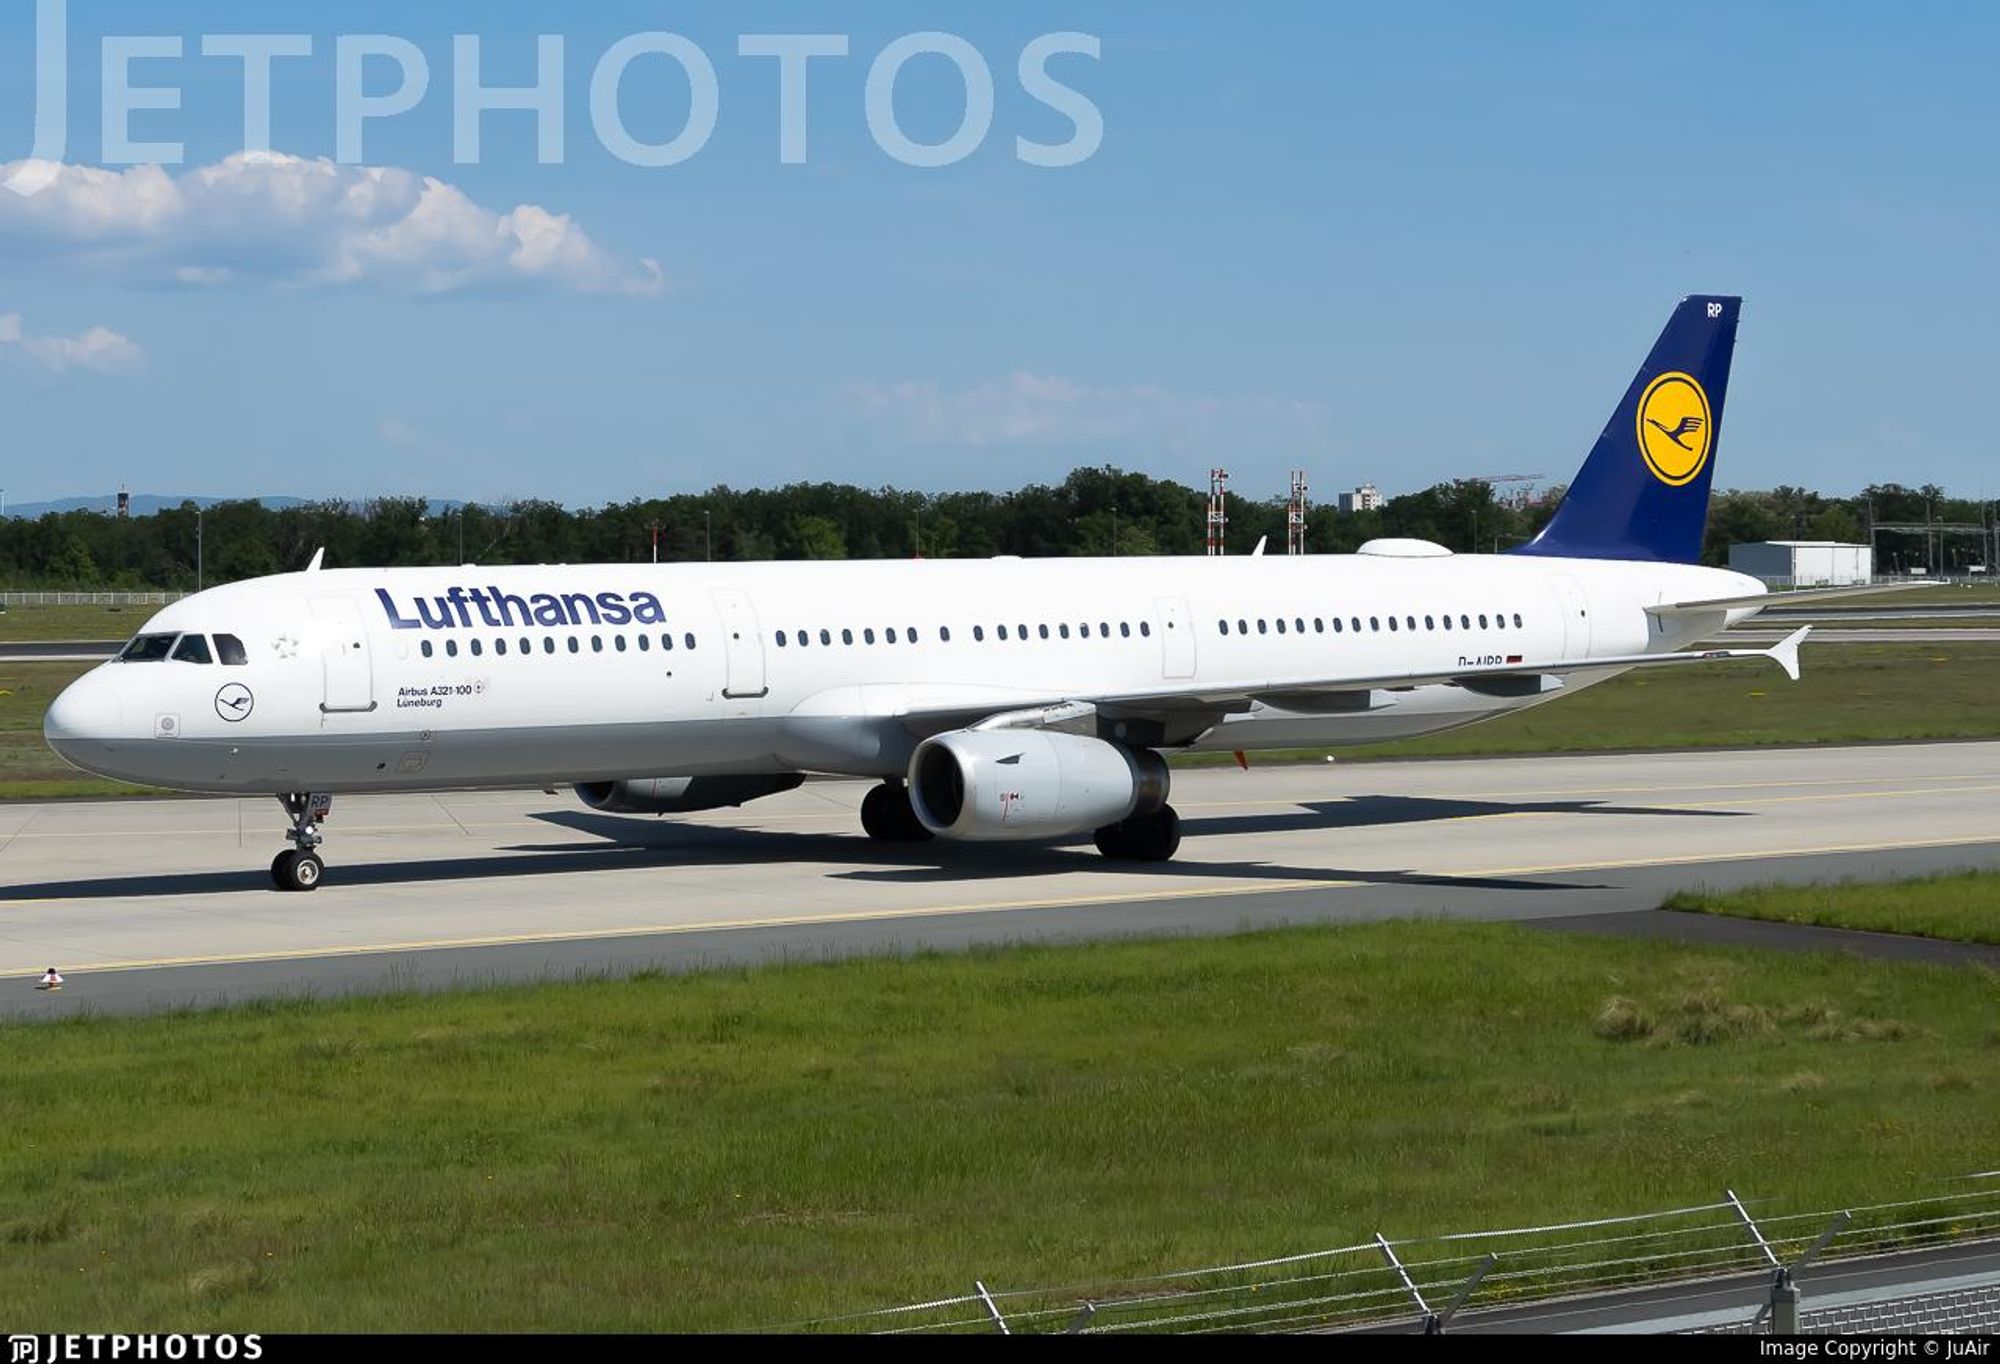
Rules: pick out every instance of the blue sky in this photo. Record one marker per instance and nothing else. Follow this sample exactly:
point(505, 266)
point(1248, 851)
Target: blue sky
point(1384, 243)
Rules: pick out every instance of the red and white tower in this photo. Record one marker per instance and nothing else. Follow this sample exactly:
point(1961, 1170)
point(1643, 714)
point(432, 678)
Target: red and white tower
point(1295, 515)
point(1218, 509)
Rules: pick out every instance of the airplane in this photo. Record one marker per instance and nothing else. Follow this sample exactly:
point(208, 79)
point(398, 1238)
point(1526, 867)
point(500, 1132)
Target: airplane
point(993, 700)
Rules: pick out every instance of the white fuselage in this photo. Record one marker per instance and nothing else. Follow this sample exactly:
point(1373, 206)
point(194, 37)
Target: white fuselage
point(363, 679)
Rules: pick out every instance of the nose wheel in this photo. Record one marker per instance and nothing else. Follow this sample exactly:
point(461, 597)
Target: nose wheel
point(300, 867)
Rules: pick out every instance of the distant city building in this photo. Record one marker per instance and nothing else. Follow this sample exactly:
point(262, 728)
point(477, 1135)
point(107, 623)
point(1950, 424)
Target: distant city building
point(1804, 563)
point(1363, 498)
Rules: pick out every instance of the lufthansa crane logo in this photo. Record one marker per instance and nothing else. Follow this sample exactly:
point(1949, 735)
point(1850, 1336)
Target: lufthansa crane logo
point(1676, 428)
point(234, 702)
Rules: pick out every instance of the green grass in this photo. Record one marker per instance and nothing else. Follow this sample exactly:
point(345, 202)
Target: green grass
point(1849, 693)
point(1964, 907)
point(757, 1147)
point(73, 622)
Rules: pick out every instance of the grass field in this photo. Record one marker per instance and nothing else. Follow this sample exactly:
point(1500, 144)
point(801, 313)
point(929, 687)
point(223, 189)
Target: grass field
point(752, 1148)
point(1964, 907)
point(73, 622)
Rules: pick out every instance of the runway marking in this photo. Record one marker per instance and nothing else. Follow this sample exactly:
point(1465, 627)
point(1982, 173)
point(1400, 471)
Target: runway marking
point(948, 911)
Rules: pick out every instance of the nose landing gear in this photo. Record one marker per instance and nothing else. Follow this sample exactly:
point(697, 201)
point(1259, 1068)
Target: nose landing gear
point(299, 867)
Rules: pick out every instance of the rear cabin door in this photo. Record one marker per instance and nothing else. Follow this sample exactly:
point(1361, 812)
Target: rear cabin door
point(743, 645)
point(1575, 617)
point(1176, 637)
point(344, 660)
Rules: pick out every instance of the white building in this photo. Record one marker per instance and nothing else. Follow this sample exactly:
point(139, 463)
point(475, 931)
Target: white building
point(1804, 563)
point(1363, 498)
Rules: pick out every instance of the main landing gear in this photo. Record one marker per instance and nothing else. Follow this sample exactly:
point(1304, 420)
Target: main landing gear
point(299, 867)
point(1152, 837)
point(888, 817)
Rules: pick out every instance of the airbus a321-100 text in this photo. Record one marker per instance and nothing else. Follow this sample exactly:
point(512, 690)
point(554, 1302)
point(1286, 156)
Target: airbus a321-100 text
point(1002, 699)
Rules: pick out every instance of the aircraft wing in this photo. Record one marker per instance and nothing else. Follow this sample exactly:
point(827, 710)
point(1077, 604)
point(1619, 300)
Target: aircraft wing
point(1763, 601)
point(1180, 698)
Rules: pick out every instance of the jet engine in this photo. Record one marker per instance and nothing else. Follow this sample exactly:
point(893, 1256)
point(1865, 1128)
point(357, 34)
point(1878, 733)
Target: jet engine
point(1007, 784)
point(681, 795)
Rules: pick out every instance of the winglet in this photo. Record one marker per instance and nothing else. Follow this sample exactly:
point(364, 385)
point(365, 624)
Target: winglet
point(318, 555)
point(1786, 652)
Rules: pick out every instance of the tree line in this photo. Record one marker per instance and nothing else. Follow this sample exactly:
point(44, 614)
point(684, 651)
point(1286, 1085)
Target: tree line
point(1094, 511)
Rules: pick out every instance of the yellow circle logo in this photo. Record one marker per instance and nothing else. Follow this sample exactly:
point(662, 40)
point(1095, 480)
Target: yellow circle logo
point(1675, 428)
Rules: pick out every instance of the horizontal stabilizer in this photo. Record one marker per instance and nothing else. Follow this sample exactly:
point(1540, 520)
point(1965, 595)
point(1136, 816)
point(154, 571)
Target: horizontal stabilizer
point(1764, 601)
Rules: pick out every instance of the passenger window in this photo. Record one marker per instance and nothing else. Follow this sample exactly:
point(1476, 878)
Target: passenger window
point(667, 642)
point(451, 648)
point(910, 633)
point(1064, 629)
point(1125, 629)
point(574, 646)
point(1411, 621)
point(477, 648)
point(1357, 625)
point(229, 649)
point(889, 635)
point(847, 637)
point(1336, 625)
point(868, 635)
point(1374, 623)
point(1319, 626)
point(804, 639)
point(688, 640)
point(1430, 622)
point(944, 633)
point(1104, 629)
point(825, 637)
point(597, 644)
point(548, 644)
point(1242, 626)
point(646, 642)
point(426, 647)
point(1465, 622)
point(1482, 622)
point(1517, 620)
point(1146, 628)
point(1044, 630)
point(1447, 621)
point(1022, 632)
point(979, 634)
point(499, 646)
point(192, 649)
point(1281, 625)
point(1392, 622)
point(618, 643)
point(781, 639)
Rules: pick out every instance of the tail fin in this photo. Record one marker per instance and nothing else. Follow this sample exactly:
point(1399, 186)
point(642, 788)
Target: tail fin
point(1643, 493)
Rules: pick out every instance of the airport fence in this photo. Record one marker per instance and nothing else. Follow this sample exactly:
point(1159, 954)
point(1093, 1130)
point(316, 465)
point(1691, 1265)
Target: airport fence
point(89, 598)
point(1423, 1282)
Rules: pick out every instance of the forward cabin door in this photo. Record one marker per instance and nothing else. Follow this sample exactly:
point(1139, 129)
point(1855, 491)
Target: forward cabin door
point(743, 645)
point(1176, 637)
point(344, 660)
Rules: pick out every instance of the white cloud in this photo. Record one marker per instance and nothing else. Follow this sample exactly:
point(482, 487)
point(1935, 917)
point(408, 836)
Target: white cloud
point(270, 217)
point(99, 348)
point(1026, 408)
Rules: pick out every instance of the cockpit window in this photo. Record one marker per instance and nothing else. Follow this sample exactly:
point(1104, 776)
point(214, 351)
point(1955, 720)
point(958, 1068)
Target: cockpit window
point(148, 649)
point(229, 649)
point(192, 649)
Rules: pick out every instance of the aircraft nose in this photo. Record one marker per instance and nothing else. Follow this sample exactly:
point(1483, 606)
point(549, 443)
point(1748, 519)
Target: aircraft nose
point(87, 713)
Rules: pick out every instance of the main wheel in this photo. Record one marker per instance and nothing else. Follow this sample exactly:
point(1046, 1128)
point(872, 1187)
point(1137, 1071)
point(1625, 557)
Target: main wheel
point(886, 815)
point(298, 871)
point(1155, 837)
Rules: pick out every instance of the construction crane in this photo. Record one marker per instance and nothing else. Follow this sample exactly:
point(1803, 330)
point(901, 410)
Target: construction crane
point(1503, 478)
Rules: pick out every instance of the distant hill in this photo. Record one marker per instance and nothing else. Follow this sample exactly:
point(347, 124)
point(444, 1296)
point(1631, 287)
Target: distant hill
point(146, 504)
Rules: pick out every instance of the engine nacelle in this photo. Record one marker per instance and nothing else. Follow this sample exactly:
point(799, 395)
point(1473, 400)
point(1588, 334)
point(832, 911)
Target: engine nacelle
point(1007, 784)
point(681, 795)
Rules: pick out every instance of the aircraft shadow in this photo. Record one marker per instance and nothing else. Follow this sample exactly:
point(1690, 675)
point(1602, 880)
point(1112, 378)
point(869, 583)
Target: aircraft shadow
point(629, 839)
